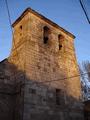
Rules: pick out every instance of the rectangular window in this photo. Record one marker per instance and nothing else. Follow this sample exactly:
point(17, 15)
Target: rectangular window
point(46, 32)
point(58, 92)
point(60, 40)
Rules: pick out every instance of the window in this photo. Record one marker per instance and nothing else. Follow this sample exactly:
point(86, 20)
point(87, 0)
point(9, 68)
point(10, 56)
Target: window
point(46, 34)
point(60, 40)
point(20, 30)
point(21, 27)
point(58, 92)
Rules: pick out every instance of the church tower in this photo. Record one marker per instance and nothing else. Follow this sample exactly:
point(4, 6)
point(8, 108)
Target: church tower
point(44, 56)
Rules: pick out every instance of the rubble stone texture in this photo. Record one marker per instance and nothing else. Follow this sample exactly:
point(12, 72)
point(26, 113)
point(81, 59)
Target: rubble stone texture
point(39, 81)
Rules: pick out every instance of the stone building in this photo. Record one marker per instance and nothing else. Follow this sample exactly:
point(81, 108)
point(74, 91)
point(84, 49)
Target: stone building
point(37, 80)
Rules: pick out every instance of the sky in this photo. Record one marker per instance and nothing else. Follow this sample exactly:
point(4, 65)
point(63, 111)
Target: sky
point(66, 13)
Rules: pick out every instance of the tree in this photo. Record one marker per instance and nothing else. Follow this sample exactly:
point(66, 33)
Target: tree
point(85, 79)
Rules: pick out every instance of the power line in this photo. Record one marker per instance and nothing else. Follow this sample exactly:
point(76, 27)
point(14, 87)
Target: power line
point(66, 78)
point(83, 2)
point(84, 9)
point(9, 16)
point(14, 45)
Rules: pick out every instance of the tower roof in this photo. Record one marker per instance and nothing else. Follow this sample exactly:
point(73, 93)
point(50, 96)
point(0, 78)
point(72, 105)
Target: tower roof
point(44, 18)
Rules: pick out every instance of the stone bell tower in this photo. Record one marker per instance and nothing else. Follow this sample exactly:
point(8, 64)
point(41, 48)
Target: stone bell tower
point(44, 53)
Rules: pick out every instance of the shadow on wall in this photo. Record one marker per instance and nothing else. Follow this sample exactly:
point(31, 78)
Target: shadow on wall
point(24, 99)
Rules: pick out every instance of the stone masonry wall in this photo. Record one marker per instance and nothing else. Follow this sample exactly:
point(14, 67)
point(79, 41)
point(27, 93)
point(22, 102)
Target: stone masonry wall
point(46, 62)
point(6, 92)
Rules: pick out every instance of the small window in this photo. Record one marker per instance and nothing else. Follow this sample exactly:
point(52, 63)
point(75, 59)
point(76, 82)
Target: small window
point(60, 40)
point(45, 34)
point(21, 27)
point(20, 30)
point(58, 93)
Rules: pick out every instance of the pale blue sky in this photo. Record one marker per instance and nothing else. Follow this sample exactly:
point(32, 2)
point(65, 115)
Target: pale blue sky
point(67, 13)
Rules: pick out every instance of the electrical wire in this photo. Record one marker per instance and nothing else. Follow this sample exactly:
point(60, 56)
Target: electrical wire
point(84, 9)
point(16, 51)
point(66, 78)
point(9, 17)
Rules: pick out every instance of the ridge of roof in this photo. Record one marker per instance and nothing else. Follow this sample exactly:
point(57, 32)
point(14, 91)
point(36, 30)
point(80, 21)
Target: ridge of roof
point(42, 17)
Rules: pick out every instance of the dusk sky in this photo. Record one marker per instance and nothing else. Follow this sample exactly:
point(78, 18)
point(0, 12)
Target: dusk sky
point(66, 13)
